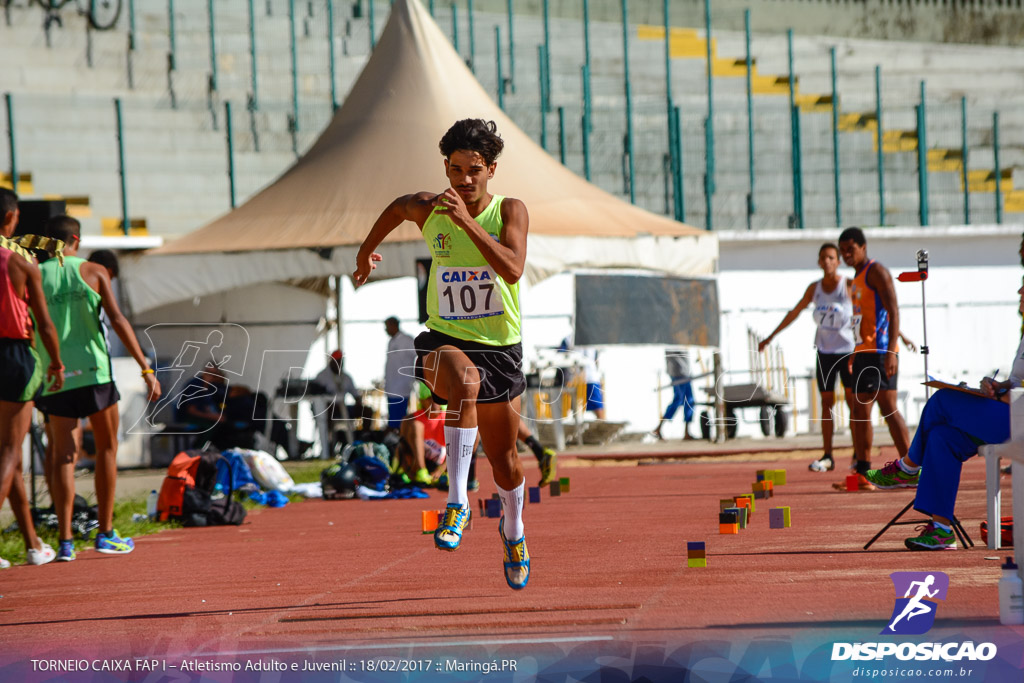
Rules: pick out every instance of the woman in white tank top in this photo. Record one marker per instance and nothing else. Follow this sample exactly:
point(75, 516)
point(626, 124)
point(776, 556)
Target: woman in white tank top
point(833, 313)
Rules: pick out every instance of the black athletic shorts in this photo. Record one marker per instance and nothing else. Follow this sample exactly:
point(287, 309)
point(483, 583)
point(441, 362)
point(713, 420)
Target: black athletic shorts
point(81, 402)
point(869, 373)
point(832, 365)
point(501, 367)
point(21, 374)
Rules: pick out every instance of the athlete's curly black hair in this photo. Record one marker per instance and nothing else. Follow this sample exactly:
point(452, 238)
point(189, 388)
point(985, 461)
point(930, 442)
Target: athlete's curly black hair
point(474, 135)
point(855, 234)
point(8, 202)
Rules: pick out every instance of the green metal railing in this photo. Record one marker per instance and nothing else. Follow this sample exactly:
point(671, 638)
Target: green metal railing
point(512, 49)
point(751, 206)
point(964, 161)
point(213, 45)
point(500, 77)
point(122, 174)
point(541, 84)
point(547, 56)
point(12, 155)
point(230, 141)
point(880, 145)
point(330, 53)
point(922, 158)
point(835, 138)
point(630, 141)
point(472, 36)
point(585, 122)
point(999, 169)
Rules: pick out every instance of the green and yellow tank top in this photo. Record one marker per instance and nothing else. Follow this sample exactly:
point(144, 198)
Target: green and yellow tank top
point(466, 299)
point(75, 309)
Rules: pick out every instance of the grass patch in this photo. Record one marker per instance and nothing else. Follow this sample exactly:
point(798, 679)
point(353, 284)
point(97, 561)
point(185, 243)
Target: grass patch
point(306, 471)
point(12, 545)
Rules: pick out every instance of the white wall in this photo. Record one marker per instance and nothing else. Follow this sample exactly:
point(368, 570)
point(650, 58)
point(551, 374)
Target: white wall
point(973, 327)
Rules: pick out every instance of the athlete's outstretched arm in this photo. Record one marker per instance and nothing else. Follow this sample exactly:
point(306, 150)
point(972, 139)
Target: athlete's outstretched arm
point(410, 207)
point(791, 316)
point(508, 256)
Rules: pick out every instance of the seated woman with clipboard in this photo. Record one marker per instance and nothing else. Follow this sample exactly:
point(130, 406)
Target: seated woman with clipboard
point(954, 422)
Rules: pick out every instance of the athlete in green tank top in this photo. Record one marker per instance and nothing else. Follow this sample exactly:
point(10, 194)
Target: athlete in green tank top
point(75, 310)
point(471, 354)
point(75, 293)
point(468, 299)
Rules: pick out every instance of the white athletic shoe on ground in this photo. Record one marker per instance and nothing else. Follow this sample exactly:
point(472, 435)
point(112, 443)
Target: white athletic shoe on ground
point(822, 465)
point(44, 555)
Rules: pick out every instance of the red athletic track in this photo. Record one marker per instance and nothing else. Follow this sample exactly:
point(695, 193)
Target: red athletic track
point(608, 558)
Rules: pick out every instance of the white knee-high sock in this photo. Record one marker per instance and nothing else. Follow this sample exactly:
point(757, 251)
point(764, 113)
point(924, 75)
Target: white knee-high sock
point(512, 508)
point(459, 443)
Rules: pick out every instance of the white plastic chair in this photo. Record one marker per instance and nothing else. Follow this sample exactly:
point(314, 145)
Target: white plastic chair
point(1012, 450)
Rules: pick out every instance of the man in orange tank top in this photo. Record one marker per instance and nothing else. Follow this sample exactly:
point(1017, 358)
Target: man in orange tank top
point(20, 375)
point(875, 364)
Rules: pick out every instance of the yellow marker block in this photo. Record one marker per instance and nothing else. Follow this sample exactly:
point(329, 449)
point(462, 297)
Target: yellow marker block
point(697, 562)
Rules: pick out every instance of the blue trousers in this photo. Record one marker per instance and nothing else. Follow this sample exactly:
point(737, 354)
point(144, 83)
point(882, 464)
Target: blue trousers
point(682, 395)
point(398, 406)
point(953, 425)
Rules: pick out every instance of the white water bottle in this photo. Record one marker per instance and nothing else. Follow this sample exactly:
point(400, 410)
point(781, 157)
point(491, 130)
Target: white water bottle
point(1011, 595)
point(151, 504)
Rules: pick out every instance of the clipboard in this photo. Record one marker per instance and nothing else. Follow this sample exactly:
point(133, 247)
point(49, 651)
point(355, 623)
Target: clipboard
point(937, 384)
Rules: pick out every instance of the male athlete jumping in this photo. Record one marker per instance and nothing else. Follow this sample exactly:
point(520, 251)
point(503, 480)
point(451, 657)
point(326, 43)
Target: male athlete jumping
point(471, 355)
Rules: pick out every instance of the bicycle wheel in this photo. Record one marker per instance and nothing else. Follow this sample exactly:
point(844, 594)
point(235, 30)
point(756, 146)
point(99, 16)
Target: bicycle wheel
point(103, 14)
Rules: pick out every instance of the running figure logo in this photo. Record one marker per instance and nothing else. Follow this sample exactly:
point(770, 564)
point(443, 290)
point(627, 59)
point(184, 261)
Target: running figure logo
point(914, 612)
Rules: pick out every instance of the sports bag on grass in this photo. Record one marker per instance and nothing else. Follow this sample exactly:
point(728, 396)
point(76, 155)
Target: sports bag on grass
point(187, 492)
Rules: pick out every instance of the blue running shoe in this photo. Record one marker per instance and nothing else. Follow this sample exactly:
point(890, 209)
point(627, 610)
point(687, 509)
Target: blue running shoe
point(449, 533)
point(112, 544)
point(517, 560)
point(66, 551)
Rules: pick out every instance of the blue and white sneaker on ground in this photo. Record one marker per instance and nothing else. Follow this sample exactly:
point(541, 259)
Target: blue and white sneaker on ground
point(112, 543)
point(66, 551)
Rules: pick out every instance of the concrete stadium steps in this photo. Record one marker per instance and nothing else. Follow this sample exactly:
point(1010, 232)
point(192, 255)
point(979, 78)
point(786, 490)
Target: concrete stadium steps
point(193, 135)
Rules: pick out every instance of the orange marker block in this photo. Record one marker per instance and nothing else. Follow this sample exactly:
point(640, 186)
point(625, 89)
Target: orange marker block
point(429, 520)
point(728, 528)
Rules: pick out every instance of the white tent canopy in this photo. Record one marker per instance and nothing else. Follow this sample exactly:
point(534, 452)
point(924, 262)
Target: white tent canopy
point(383, 143)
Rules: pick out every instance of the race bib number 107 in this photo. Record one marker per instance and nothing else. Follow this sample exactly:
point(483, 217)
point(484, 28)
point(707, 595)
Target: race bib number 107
point(467, 293)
